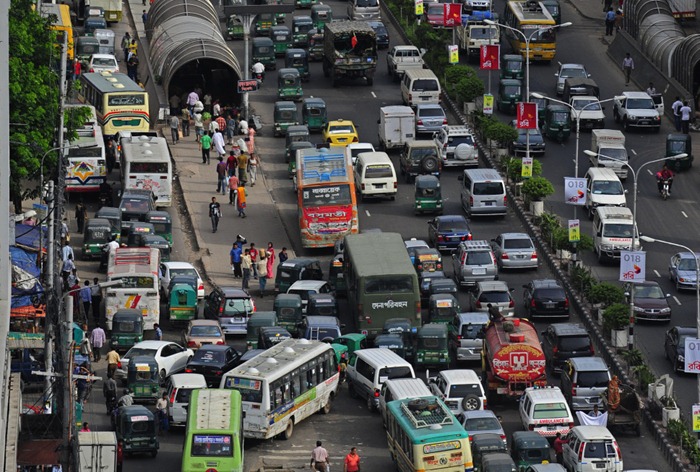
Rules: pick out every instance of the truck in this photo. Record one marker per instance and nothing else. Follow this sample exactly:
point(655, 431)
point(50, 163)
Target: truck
point(589, 110)
point(349, 51)
point(471, 35)
point(99, 451)
point(397, 125)
point(512, 357)
point(112, 9)
point(636, 109)
point(403, 57)
point(609, 148)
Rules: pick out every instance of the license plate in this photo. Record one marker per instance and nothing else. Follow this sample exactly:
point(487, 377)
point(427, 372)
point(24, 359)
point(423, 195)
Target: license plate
point(600, 465)
point(425, 98)
point(549, 305)
point(237, 319)
point(488, 204)
point(379, 185)
point(480, 271)
point(643, 122)
point(339, 276)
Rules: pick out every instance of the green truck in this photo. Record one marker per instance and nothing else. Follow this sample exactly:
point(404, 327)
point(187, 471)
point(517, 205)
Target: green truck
point(349, 51)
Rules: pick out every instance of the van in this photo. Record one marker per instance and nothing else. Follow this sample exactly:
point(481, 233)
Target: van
point(364, 10)
point(583, 381)
point(467, 336)
point(368, 369)
point(420, 86)
point(591, 448)
point(483, 192)
point(603, 188)
point(613, 230)
point(544, 411)
point(398, 389)
point(473, 262)
point(564, 341)
point(179, 388)
point(460, 389)
point(375, 176)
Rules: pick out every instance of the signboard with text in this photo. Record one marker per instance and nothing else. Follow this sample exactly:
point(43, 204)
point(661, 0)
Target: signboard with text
point(574, 191)
point(488, 104)
point(632, 266)
point(526, 171)
point(489, 59)
point(526, 115)
point(419, 7)
point(453, 14)
point(692, 359)
point(453, 51)
point(574, 231)
point(248, 85)
point(696, 418)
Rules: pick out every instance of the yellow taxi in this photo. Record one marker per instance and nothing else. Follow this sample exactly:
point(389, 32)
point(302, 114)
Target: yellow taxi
point(340, 132)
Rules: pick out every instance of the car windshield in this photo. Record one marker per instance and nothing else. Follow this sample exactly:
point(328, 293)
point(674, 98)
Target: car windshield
point(547, 411)
point(511, 90)
point(205, 331)
point(593, 379)
point(578, 104)
point(488, 188)
point(472, 331)
point(494, 297)
point(573, 72)
point(607, 187)
point(136, 282)
point(463, 390)
point(640, 104)
point(453, 226)
point(206, 356)
point(649, 291)
point(134, 204)
point(686, 264)
point(481, 424)
point(574, 343)
point(617, 230)
point(519, 243)
point(212, 445)
point(140, 351)
point(340, 130)
point(479, 258)
point(514, 66)
point(184, 271)
point(384, 284)
point(326, 195)
point(237, 306)
point(532, 132)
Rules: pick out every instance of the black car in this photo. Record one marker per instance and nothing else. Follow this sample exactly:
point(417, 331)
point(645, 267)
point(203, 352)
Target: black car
point(519, 146)
point(674, 345)
point(381, 32)
point(212, 361)
point(268, 336)
point(545, 298)
point(135, 203)
point(562, 341)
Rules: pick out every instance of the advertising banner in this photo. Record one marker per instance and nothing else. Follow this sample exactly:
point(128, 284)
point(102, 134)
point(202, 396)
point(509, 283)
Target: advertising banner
point(490, 57)
point(632, 266)
point(574, 191)
point(526, 115)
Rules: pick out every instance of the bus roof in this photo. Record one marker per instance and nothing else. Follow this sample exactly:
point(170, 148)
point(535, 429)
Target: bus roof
point(426, 419)
point(376, 254)
point(145, 149)
point(60, 11)
point(280, 357)
point(318, 166)
point(215, 409)
point(531, 11)
point(110, 82)
point(132, 261)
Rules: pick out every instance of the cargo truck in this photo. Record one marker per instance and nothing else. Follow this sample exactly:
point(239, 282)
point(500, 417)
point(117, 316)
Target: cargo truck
point(471, 35)
point(349, 51)
point(397, 125)
point(98, 452)
point(609, 147)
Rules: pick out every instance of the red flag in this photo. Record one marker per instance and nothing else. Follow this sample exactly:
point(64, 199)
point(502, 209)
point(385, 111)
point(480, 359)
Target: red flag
point(353, 41)
point(526, 115)
point(490, 56)
point(452, 14)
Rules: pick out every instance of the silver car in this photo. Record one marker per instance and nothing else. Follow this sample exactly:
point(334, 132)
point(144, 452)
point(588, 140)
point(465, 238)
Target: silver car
point(515, 251)
point(482, 421)
point(568, 71)
point(429, 118)
point(495, 293)
point(583, 380)
point(682, 270)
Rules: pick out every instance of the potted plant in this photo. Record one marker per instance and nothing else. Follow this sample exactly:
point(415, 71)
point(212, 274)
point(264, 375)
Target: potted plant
point(616, 319)
point(604, 294)
point(669, 410)
point(535, 190)
point(501, 135)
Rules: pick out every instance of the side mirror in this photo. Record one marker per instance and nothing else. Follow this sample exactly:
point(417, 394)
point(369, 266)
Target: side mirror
point(342, 326)
point(668, 295)
point(625, 190)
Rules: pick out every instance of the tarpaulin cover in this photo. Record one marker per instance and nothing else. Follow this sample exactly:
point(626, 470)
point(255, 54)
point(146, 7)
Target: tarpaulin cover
point(27, 237)
point(26, 287)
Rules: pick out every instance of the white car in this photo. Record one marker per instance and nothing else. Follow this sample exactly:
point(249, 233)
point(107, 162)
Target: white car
point(103, 63)
point(170, 357)
point(170, 269)
point(569, 71)
point(353, 149)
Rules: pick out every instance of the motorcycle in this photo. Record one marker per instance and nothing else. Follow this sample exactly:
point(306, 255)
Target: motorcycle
point(259, 76)
point(665, 188)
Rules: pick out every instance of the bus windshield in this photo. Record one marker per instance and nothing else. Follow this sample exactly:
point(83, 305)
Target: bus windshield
point(251, 390)
point(330, 195)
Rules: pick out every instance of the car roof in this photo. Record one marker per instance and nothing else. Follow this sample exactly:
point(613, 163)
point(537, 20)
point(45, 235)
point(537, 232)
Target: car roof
point(547, 393)
point(321, 320)
point(204, 323)
point(460, 375)
point(546, 283)
point(415, 243)
point(588, 363)
point(473, 318)
point(568, 329)
point(429, 105)
point(446, 218)
point(479, 414)
point(635, 94)
point(178, 265)
point(103, 56)
point(152, 344)
point(515, 235)
point(308, 284)
point(686, 330)
point(688, 255)
point(492, 286)
point(234, 292)
point(214, 347)
point(646, 283)
point(572, 66)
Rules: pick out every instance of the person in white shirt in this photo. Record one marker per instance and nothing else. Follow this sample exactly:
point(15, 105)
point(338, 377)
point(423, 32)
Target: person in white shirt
point(685, 117)
point(258, 68)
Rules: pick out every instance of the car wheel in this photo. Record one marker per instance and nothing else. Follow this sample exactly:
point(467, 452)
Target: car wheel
point(154, 453)
point(327, 407)
point(471, 403)
point(429, 164)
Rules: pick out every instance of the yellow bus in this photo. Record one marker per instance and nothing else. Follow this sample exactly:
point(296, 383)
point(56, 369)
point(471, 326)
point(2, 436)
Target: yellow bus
point(533, 20)
point(120, 104)
point(62, 25)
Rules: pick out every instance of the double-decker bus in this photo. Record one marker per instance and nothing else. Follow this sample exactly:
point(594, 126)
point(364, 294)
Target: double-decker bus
point(381, 281)
point(62, 25)
point(534, 20)
point(120, 104)
point(145, 164)
point(423, 435)
point(325, 196)
point(87, 163)
point(284, 385)
point(214, 434)
point(137, 269)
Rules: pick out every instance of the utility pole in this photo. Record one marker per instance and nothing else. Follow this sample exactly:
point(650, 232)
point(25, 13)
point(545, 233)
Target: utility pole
point(68, 405)
point(49, 321)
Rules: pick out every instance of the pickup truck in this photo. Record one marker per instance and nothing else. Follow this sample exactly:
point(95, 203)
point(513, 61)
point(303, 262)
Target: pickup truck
point(636, 109)
point(401, 58)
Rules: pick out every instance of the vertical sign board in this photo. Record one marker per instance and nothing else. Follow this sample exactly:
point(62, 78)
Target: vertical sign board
point(419, 7)
point(453, 51)
point(526, 170)
point(488, 104)
point(632, 266)
point(489, 57)
point(696, 418)
point(692, 359)
point(452, 15)
point(574, 191)
point(526, 115)
point(574, 231)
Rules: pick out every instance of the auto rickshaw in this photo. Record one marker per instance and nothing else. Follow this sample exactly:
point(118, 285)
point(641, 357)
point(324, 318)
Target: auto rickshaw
point(541, 103)
point(314, 113)
point(127, 329)
point(510, 93)
point(353, 341)
point(85, 47)
point(182, 305)
point(427, 259)
point(528, 448)
point(403, 327)
point(296, 133)
point(428, 195)
point(114, 216)
point(264, 53)
point(336, 278)
point(321, 304)
point(442, 308)
point(285, 115)
point(289, 84)
point(301, 25)
point(679, 144)
point(305, 3)
point(234, 27)
point(263, 23)
point(298, 59)
point(96, 234)
point(142, 378)
point(158, 242)
point(341, 353)
point(291, 152)
point(431, 345)
point(554, 9)
point(393, 342)
point(269, 336)
point(557, 122)
point(288, 307)
point(136, 430)
point(315, 47)
point(320, 15)
point(281, 39)
point(280, 17)
point(260, 319)
point(162, 222)
point(485, 443)
point(131, 229)
point(512, 66)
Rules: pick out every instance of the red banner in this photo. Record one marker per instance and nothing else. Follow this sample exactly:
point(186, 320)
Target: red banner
point(526, 115)
point(490, 56)
point(453, 14)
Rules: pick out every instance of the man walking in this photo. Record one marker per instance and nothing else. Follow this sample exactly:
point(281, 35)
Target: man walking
point(96, 300)
point(232, 189)
point(246, 265)
point(192, 98)
point(162, 412)
point(66, 251)
point(627, 67)
point(676, 107)
point(205, 147)
point(113, 361)
point(185, 122)
point(235, 255)
point(86, 299)
point(253, 259)
point(126, 40)
point(214, 214)
point(319, 458)
point(685, 117)
point(261, 268)
point(174, 127)
point(221, 178)
point(609, 22)
point(97, 339)
point(80, 215)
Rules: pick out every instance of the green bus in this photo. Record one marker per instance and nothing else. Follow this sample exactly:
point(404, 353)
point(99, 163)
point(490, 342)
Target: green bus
point(381, 281)
point(214, 436)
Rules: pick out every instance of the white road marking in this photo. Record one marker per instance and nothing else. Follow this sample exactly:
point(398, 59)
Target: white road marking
point(675, 299)
point(633, 152)
point(657, 273)
point(684, 214)
point(367, 212)
point(373, 94)
point(650, 172)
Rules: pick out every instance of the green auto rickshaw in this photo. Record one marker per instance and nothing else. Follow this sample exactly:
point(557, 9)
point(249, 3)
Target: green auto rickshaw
point(158, 242)
point(289, 84)
point(428, 195)
point(285, 115)
point(557, 122)
point(510, 93)
point(298, 59)
point(528, 448)
point(305, 3)
point(442, 308)
point(142, 378)
point(483, 444)
point(162, 222)
point(354, 342)
point(431, 345)
point(336, 277)
point(288, 308)
point(296, 133)
point(96, 234)
point(314, 113)
point(404, 328)
point(541, 103)
point(234, 27)
point(280, 17)
point(114, 216)
point(393, 342)
point(264, 53)
point(263, 23)
point(127, 329)
point(315, 46)
point(269, 336)
point(320, 15)
point(182, 303)
point(85, 47)
point(512, 66)
point(676, 144)
point(281, 39)
point(341, 353)
point(291, 151)
point(554, 9)
point(136, 430)
point(260, 319)
point(301, 25)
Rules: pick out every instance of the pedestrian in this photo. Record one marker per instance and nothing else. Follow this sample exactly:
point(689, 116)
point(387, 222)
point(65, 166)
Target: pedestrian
point(213, 126)
point(219, 143)
point(205, 145)
point(609, 21)
point(253, 169)
point(192, 99)
point(246, 265)
point(65, 234)
point(77, 69)
point(110, 155)
point(214, 214)
point(230, 129)
point(144, 17)
point(241, 200)
point(162, 413)
point(96, 299)
point(216, 109)
point(283, 255)
point(82, 384)
point(74, 287)
point(220, 120)
point(113, 361)
point(319, 458)
point(158, 332)
point(676, 107)
point(185, 119)
point(97, 339)
point(618, 21)
point(221, 177)
point(126, 40)
point(198, 126)
point(243, 167)
point(207, 102)
point(174, 128)
point(254, 258)
point(233, 184)
point(133, 47)
point(80, 215)
point(558, 447)
point(231, 163)
point(685, 117)
point(132, 67)
point(67, 269)
point(270, 259)
point(627, 67)
point(352, 461)
point(251, 140)
point(174, 101)
point(86, 298)
point(651, 90)
point(85, 428)
point(596, 412)
point(235, 255)
point(66, 251)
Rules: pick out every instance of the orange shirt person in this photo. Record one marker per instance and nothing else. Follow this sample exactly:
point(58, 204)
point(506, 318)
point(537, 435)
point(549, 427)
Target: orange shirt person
point(240, 201)
point(352, 461)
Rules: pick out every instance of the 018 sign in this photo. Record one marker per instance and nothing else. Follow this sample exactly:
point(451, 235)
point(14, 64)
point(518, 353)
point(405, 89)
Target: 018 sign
point(692, 355)
point(632, 266)
point(575, 191)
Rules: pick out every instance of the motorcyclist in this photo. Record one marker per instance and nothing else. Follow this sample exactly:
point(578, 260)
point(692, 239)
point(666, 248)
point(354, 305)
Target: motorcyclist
point(665, 174)
point(258, 69)
point(106, 193)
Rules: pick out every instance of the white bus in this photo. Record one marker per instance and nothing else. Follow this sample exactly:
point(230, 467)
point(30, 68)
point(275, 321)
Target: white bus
point(87, 164)
point(285, 384)
point(137, 268)
point(145, 163)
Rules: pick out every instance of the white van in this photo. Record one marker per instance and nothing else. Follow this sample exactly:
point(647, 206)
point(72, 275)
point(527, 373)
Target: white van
point(591, 448)
point(398, 389)
point(613, 230)
point(483, 192)
point(364, 10)
point(179, 389)
point(545, 411)
point(420, 86)
point(368, 369)
point(375, 176)
point(603, 188)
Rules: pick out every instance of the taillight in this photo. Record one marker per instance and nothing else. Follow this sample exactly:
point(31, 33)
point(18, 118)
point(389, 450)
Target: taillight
point(478, 303)
point(396, 184)
point(191, 344)
point(511, 304)
point(355, 139)
point(417, 306)
point(221, 309)
point(444, 121)
point(592, 349)
point(573, 389)
point(532, 303)
point(531, 427)
point(376, 394)
point(410, 97)
point(555, 349)
point(420, 122)
point(504, 256)
point(218, 372)
point(363, 186)
point(533, 255)
point(566, 302)
point(619, 452)
point(172, 396)
point(188, 370)
point(505, 201)
point(439, 266)
point(92, 70)
point(200, 287)
point(220, 343)
point(420, 266)
point(459, 338)
point(469, 237)
point(580, 452)
point(119, 365)
point(471, 201)
point(440, 237)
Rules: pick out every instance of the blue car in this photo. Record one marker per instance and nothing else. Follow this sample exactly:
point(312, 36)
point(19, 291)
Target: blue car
point(446, 232)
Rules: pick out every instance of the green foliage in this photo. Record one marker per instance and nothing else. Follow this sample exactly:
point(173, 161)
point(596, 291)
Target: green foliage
point(616, 316)
point(537, 188)
point(468, 88)
point(582, 279)
point(457, 72)
point(515, 169)
point(680, 435)
point(633, 358)
point(558, 236)
point(606, 294)
point(644, 375)
point(206, 116)
point(502, 133)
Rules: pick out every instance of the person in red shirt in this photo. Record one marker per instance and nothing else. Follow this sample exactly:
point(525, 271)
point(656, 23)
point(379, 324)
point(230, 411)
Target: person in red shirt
point(352, 461)
point(558, 447)
point(221, 121)
point(253, 259)
point(77, 69)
